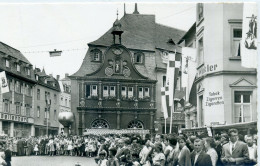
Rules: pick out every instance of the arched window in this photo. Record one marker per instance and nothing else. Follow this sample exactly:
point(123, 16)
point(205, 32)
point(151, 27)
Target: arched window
point(99, 124)
point(135, 124)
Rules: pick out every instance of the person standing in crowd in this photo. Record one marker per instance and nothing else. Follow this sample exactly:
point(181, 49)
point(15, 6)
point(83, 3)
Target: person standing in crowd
point(252, 150)
point(184, 155)
point(20, 147)
point(224, 139)
point(145, 152)
point(8, 156)
point(198, 156)
point(2, 155)
point(172, 158)
point(235, 152)
point(168, 147)
point(14, 146)
point(158, 156)
point(159, 139)
point(112, 161)
point(218, 149)
point(210, 145)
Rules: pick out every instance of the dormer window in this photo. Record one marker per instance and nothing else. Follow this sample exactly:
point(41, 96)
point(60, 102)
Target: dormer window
point(28, 71)
point(18, 67)
point(96, 55)
point(36, 77)
point(7, 63)
point(139, 58)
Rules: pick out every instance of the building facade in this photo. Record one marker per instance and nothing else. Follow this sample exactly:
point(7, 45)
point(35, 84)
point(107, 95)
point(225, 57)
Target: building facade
point(47, 103)
point(16, 106)
point(118, 85)
point(65, 97)
point(225, 91)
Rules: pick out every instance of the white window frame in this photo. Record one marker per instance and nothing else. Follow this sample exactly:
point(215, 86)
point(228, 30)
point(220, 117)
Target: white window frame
point(6, 106)
point(93, 91)
point(112, 93)
point(38, 112)
point(7, 63)
point(18, 67)
point(18, 108)
point(241, 106)
point(105, 92)
point(147, 93)
point(234, 51)
point(140, 93)
point(130, 93)
point(123, 92)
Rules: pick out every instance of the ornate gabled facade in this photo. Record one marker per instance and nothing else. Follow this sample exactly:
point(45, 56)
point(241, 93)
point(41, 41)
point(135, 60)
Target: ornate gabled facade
point(16, 106)
point(118, 84)
point(47, 103)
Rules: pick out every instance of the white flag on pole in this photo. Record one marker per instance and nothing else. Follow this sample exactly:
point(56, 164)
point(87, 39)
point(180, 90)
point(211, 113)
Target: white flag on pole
point(3, 82)
point(164, 103)
point(248, 43)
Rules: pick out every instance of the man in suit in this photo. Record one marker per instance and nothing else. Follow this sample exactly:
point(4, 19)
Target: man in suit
point(235, 152)
point(198, 156)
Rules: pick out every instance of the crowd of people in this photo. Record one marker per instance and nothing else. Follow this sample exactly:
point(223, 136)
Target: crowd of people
point(133, 150)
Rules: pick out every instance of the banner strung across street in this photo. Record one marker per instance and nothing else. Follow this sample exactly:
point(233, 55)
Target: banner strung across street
point(249, 36)
point(3, 82)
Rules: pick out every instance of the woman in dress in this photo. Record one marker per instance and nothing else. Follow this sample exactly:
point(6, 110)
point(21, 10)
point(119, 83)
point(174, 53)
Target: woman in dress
point(158, 156)
point(51, 147)
point(14, 146)
point(210, 145)
point(70, 147)
point(36, 149)
point(184, 155)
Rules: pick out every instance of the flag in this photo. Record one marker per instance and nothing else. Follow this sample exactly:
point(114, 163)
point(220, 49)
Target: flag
point(3, 83)
point(188, 68)
point(173, 67)
point(55, 53)
point(248, 43)
point(164, 103)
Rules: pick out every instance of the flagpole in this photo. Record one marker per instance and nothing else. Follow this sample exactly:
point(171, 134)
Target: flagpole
point(171, 120)
point(165, 125)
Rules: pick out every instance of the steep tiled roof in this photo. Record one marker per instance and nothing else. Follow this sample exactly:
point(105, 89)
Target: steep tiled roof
point(13, 52)
point(142, 32)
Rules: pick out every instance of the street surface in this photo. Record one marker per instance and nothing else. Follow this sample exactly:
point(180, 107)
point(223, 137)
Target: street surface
point(52, 161)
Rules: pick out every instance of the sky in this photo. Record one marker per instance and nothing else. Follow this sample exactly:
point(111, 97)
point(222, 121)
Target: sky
point(35, 29)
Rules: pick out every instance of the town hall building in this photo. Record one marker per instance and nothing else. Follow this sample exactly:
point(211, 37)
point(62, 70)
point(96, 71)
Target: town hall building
point(119, 83)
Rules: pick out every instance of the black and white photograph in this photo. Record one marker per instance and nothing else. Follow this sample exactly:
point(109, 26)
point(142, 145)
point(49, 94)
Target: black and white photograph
point(128, 83)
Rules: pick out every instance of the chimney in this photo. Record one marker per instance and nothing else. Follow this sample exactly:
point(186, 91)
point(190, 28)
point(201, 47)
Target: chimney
point(66, 75)
point(58, 77)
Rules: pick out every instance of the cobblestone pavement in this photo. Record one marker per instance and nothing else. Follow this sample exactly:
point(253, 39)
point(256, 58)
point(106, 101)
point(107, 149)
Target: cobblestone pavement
point(52, 161)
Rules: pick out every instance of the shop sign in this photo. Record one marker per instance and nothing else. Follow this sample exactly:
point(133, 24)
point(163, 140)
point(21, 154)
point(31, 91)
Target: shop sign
point(214, 98)
point(206, 69)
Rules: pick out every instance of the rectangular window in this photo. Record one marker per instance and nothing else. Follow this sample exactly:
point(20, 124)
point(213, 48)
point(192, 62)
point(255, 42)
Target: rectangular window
point(123, 91)
point(112, 91)
point(237, 36)
point(38, 112)
point(7, 64)
point(28, 110)
point(93, 90)
point(96, 56)
point(88, 91)
point(18, 108)
point(17, 87)
point(6, 106)
point(242, 106)
point(130, 92)
point(200, 53)
point(164, 81)
point(38, 94)
point(18, 67)
point(36, 77)
point(140, 93)
point(29, 90)
point(28, 71)
point(105, 91)
point(146, 92)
